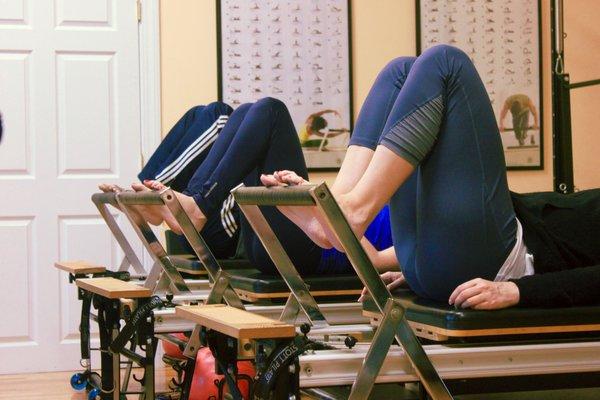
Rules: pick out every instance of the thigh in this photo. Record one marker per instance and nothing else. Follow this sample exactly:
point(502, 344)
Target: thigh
point(168, 145)
point(375, 110)
point(464, 220)
point(194, 146)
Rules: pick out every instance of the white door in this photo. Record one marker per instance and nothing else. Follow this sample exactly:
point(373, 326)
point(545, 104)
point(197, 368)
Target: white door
point(69, 95)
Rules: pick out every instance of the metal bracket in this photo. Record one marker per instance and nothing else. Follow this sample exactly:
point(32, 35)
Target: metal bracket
point(305, 301)
point(101, 201)
point(291, 310)
point(378, 351)
point(193, 345)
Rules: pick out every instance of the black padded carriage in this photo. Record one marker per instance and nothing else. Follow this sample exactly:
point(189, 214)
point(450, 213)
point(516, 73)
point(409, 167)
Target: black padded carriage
point(441, 322)
point(252, 285)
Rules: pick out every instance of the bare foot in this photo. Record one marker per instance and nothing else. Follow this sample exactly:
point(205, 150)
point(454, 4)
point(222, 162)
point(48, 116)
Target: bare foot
point(310, 219)
point(152, 214)
point(303, 217)
point(187, 203)
point(110, 188)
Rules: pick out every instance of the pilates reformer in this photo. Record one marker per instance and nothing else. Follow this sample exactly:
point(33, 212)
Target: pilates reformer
point(108, 289)
point(550, 345)
point(317, 366)
point(109, 293)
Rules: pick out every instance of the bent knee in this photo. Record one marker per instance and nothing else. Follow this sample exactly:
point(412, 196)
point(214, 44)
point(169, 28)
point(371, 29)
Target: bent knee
point(398, 68)
point(271, 103)
point(218, 108)
point(444, 51)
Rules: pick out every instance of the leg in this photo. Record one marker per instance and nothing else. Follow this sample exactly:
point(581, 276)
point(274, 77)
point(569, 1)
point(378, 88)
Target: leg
point(371, 121)
point(442, 125)
point(168, 144)
point(209, 164)
point(264, 141)
point(369, 127)
point(192, 148)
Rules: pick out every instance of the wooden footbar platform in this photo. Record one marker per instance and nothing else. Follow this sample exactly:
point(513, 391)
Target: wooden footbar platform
point(254, 296)
point(112, 288)
point(79, 267)
point(234, 322)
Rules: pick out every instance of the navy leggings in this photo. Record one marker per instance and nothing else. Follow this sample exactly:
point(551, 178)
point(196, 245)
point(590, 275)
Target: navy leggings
point(258, 138)
point(179, 155)
point(453, 219)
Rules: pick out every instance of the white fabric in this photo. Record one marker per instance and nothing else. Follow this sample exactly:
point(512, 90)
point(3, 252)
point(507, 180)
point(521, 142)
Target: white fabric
point(518, 263)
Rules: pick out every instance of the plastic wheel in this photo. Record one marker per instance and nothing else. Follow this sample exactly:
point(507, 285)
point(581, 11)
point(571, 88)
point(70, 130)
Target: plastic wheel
point(94, 394)
point(78, 381)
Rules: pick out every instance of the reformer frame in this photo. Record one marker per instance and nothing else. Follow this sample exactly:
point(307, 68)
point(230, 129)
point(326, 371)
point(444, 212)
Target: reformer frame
point(394, 324)
point(562, 146)
point(164, 275)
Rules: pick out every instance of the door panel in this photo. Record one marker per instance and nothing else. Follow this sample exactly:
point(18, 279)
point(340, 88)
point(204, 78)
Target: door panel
point(69, 95)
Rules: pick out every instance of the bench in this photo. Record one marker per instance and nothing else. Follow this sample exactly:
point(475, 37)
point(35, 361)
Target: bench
point(440, 322)
point(79, 267)
point(234, 322)
point(112, 288)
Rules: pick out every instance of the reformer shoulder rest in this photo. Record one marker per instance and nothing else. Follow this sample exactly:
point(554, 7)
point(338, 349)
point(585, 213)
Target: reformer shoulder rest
point(437, 321)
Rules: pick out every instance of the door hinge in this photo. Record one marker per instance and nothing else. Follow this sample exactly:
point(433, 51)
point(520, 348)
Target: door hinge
point(138, 7)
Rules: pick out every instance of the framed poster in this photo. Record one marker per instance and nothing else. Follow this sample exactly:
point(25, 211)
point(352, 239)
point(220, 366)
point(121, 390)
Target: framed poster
point(503, 39)
point(297, 51)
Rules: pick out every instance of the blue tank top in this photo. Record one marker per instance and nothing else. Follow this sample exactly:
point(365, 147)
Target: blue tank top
point(378, 233)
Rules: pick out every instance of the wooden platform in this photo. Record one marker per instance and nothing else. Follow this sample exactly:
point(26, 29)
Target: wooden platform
point(112, 288)
point(252, 297)
point(236, 323)
point(439, 334)
point(79, 267)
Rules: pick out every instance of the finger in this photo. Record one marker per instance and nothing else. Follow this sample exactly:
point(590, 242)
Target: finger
point(138, 187)
point(385, 277)
point(269, 180)
point(467, 293)
point(459, 289)
point(485, 305)
point(158, 185)
point(363, 294)
point(395, 284)
point(291, 178)
point(475, 300)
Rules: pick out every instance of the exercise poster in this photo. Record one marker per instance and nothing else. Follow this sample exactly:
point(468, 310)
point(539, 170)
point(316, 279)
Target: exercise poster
point(296, 51)
point(503, 41)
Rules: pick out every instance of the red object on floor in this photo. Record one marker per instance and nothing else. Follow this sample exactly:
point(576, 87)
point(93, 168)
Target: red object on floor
point(206, 382)
point(172, 350)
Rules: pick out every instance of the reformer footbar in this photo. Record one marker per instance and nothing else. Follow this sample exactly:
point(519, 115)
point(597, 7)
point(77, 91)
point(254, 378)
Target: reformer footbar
point(167, 198)
point(102, 201)
point(394, 324)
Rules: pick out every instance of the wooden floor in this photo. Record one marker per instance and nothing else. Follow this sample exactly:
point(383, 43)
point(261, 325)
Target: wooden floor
point(56, 386)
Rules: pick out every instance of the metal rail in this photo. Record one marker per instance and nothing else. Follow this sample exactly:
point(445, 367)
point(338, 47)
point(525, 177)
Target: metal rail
point(339, 367)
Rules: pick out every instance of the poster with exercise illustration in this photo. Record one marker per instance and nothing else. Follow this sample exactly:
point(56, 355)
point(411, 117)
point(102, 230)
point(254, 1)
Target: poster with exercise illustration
point(502, 38)
point(296, 51)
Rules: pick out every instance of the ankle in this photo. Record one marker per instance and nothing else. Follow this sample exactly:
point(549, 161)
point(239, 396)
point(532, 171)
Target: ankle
point(356, 212)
